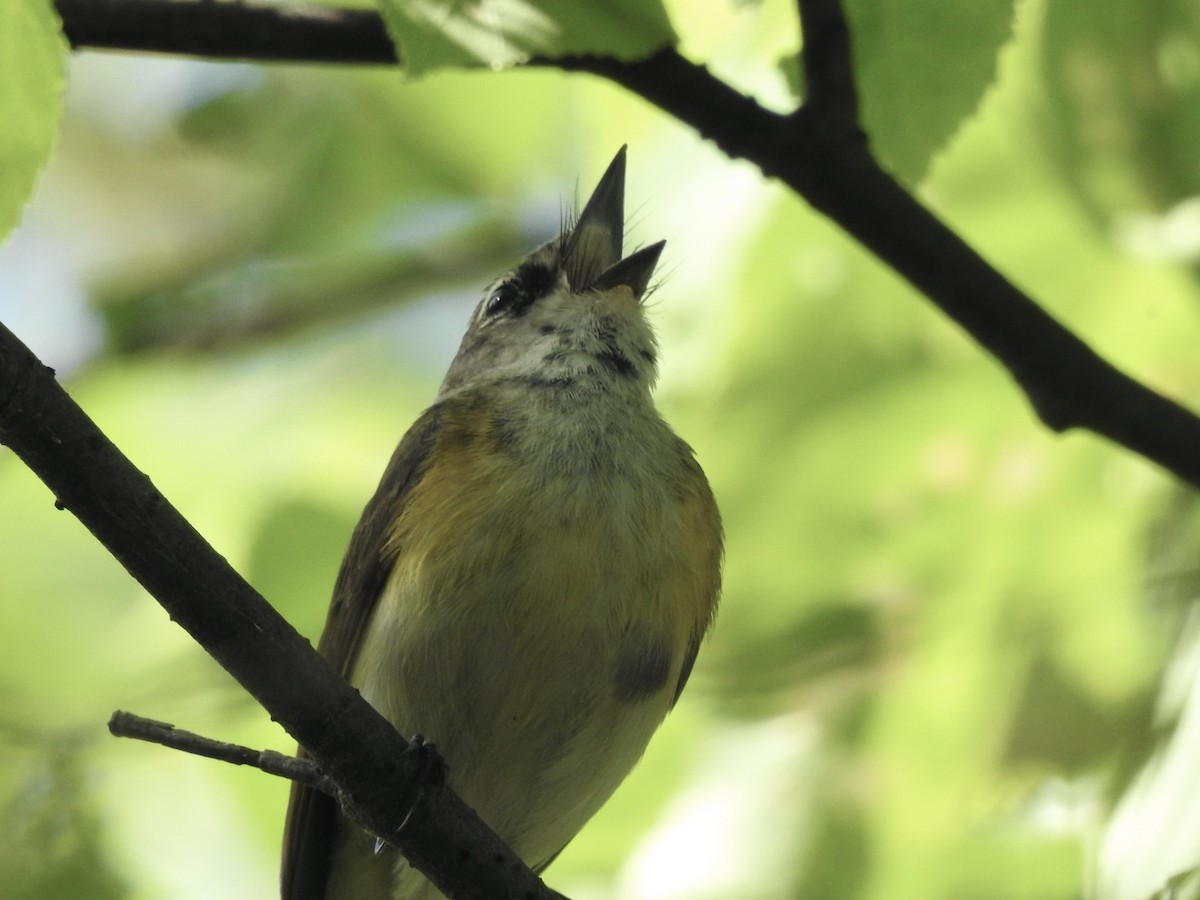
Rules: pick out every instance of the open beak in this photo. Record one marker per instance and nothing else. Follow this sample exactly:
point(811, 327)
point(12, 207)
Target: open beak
point(592, 254)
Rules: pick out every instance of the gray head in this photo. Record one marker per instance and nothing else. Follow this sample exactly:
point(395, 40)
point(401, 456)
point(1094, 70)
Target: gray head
point(571, 313)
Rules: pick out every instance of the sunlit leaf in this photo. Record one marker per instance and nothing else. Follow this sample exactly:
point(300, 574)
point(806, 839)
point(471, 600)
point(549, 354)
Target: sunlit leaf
point(432, 34)
point(32, 74)
point(922, 69)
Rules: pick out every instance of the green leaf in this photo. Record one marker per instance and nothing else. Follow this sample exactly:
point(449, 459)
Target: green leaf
point(433, 34)
point(922, 69)
point(32, 74)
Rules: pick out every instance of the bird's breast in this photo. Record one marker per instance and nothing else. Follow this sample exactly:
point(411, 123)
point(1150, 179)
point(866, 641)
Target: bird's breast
point(547, 584)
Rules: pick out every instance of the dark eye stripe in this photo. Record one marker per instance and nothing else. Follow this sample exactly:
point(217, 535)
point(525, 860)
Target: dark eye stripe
point(537, 278)
point(502, 298)
point(531, 281)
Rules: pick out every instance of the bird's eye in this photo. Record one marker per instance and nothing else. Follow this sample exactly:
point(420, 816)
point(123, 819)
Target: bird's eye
point(501, 298)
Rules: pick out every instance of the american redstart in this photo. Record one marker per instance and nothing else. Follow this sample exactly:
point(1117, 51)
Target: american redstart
point(531, 581)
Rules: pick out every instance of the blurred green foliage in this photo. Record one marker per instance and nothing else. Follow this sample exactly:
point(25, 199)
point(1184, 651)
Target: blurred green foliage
point(950, 642)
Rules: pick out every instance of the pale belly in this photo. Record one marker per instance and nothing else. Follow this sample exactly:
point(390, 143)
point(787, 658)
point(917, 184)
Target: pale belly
point(537, 637)
point(513, 670)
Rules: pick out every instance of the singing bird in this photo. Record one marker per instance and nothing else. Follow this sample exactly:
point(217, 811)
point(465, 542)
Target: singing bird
point(532, 579)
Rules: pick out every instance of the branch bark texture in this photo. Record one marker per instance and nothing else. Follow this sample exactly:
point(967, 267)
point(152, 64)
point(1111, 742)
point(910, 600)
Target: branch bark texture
point(128, 725)
point(215, 29)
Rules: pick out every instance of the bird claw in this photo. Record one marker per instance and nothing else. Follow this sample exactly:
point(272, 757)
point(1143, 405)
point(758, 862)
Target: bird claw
point(431, 775)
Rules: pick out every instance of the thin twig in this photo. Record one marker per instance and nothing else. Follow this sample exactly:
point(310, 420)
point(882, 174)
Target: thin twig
point(305, 771)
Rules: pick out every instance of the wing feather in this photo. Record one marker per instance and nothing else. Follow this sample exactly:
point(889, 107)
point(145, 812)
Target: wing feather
point(311, 816)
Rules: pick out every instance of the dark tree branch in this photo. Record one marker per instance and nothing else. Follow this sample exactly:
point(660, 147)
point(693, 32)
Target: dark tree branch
point(215, 29)
point(819, 151)
point(829, 92)
point(381, 782)
point(305, 771)
point(1068, 384)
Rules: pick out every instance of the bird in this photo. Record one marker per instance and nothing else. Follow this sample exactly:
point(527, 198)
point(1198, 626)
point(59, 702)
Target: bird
point(531, 581)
